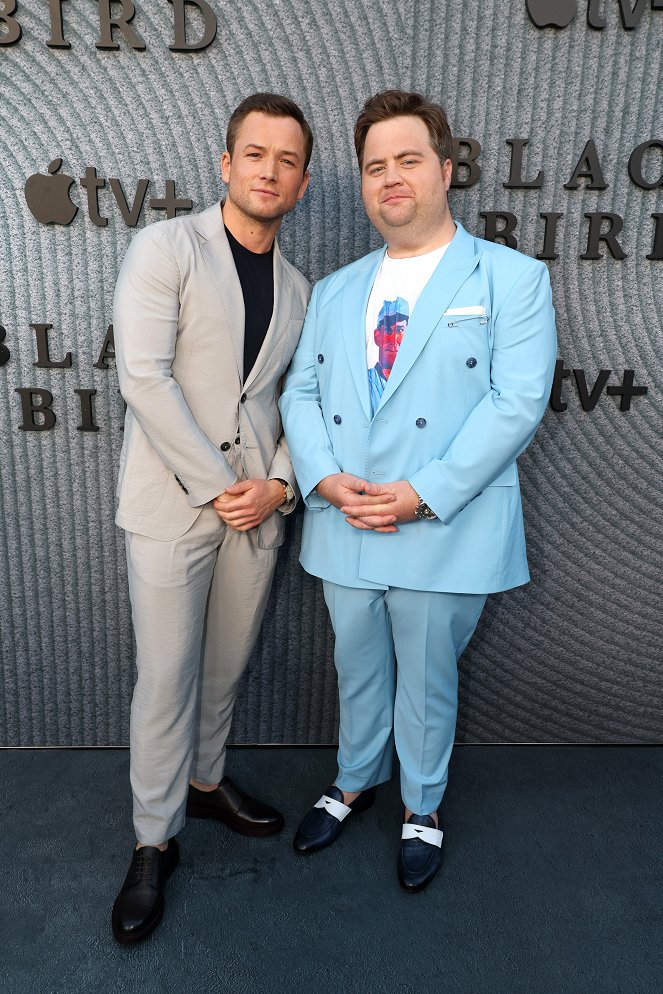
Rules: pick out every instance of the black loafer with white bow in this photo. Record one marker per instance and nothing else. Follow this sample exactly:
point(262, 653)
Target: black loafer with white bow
point(420, 855)
point(324, 822)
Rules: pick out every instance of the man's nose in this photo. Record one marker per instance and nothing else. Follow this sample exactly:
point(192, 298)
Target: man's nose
point(392, 175)
point(268, 170)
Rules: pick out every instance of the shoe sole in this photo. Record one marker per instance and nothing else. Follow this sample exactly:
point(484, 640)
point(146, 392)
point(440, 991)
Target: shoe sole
point(132, 938)
point(256, 832)
point(414, 889)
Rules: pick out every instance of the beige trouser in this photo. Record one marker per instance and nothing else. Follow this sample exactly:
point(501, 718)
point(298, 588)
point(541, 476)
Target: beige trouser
point(197, 605)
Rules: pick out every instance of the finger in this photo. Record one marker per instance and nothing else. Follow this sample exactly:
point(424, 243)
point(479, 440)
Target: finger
point(356, 523)
point(239, 488)
point(242, 514)
point(353, 483)
point(386, 498)
point(240, 504)
point(375, 520)
point(242, 524)
point(363, 526)
point(375, 489)
point(376, 505)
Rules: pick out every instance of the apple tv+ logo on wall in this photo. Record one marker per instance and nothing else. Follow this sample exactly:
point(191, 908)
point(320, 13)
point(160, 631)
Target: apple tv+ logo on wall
point(49, 199)
point(48, 196)
point(551, 13)
point(560, 13)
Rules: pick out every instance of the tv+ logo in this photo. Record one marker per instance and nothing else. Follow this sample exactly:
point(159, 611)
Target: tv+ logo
point(48, 197)
point(560, 13)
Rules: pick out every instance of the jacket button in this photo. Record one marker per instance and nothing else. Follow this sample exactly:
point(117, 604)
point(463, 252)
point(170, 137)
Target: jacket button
point(471, 362)
point(237, 440)
point(225, 446)
point(420, 422)
point(321, 358)
point(242, 398)
point(337, 419)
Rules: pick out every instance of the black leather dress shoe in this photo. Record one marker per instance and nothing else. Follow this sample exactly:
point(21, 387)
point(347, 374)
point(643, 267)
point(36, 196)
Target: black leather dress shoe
point(420, 855)
point(138, 907)
point(324, 822)
point(229, 804)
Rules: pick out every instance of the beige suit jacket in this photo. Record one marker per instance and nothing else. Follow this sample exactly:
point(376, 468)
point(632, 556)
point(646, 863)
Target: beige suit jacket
point(179, 336)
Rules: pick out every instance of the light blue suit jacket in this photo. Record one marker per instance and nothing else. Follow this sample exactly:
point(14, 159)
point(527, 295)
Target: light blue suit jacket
point(466, 393)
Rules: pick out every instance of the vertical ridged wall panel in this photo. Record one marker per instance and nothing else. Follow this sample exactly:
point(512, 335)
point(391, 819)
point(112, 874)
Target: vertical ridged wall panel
point(575, 655)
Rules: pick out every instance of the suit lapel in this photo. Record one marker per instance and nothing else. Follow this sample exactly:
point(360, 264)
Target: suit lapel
point(216, 252)
point(280, 315)
point(457, 263)
point(354, 303)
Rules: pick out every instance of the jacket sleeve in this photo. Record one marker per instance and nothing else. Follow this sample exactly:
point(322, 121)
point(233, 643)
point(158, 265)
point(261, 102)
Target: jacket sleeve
point(145, 323)
point(310, 446)
point(501, 426)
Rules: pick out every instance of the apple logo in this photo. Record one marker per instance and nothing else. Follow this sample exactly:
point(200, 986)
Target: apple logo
point(551, 13)
point(48, 196)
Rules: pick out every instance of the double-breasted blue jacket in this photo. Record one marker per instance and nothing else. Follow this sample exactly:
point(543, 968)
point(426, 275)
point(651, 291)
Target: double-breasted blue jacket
point(465, 395)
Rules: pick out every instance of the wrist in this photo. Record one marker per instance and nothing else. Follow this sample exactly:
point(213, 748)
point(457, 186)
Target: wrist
point(283, 491)
point(422, 511)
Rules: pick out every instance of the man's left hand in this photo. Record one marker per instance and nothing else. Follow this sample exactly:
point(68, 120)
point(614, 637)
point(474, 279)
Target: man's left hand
point(364, 513)
point(247, 503)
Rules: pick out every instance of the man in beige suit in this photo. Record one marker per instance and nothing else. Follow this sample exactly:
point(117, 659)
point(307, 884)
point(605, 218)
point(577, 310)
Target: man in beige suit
point(207, 316)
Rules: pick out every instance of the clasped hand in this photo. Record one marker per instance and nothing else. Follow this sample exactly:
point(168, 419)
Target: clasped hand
point(247, 503)
point(370, 506)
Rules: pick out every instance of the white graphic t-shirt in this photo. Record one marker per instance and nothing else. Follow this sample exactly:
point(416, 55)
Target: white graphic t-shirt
point(397, 287)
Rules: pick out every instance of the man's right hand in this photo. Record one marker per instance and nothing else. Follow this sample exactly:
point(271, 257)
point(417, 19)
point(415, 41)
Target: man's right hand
point(343, 490)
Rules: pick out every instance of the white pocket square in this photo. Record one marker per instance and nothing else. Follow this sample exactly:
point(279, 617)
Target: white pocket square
point(458, 311)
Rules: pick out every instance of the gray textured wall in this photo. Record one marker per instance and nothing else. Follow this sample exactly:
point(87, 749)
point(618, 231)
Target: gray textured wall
point(576, 655)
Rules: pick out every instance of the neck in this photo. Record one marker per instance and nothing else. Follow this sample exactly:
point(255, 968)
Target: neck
point(256, 236)
point(403, 244)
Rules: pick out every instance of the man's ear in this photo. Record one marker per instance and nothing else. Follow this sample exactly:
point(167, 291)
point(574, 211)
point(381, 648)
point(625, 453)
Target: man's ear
point(304, 185)
point(447, 169)
point(225, 167)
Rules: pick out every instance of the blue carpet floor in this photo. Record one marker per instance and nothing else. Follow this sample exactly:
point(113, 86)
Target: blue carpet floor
point(552, 882)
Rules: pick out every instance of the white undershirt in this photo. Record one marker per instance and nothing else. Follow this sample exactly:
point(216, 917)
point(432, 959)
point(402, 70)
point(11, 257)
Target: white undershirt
point(405, 278)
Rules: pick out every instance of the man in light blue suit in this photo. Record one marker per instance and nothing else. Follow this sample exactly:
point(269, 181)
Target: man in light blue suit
point(413, 511)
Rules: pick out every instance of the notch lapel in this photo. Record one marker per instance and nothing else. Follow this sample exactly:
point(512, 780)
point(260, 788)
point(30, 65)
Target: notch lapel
point(354, 303)
point(457, 263)
point(218, 258)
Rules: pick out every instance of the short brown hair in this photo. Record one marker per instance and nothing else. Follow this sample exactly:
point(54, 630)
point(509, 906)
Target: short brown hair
point(400, 103)
point(276, 106)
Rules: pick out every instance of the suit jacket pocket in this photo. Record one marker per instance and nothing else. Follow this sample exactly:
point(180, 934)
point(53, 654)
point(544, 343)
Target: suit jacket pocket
point(141, 492)
point(271, 532)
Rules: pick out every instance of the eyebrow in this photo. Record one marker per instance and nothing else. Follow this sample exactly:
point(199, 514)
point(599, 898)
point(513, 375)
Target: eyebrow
point(400, 155)
point(261, 148)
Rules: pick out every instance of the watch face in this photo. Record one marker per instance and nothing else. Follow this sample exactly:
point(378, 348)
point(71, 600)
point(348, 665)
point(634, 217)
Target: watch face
point(423, 511)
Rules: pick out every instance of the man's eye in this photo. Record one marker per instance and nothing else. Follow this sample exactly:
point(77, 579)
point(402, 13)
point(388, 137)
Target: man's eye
point(288, 162)
point(409, 162)
point(375, 170)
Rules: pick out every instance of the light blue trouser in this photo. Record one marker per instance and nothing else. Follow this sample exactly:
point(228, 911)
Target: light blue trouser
point(396, 654)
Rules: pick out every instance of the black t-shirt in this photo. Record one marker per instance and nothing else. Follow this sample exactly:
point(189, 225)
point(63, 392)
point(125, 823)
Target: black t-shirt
point(256, 275)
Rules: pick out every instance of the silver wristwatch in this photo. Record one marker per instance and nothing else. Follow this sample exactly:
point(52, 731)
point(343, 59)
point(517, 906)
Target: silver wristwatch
point(423, 512)
point(289, 493)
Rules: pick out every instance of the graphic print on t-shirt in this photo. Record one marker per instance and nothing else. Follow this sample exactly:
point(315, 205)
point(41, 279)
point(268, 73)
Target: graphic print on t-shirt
point(392, 322)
